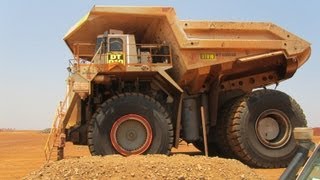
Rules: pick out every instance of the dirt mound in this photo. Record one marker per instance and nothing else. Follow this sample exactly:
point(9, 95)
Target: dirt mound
point(147, 167)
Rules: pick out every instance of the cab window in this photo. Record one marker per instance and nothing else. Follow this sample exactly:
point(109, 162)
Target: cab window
point(116, 44)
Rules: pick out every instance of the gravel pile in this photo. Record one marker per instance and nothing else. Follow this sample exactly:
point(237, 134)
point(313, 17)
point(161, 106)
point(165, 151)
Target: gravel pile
point(145, 167)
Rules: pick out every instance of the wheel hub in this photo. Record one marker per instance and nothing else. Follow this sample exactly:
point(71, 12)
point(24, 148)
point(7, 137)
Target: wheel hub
point(268, 128)
point(273, 128)
point(131, 134)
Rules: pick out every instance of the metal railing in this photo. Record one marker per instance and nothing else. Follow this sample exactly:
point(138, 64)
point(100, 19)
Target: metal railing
point(152, 54)
point(56, 127)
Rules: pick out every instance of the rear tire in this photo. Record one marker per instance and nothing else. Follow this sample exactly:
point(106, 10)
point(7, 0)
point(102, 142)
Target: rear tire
point(130, 123)
point(217, 139)
point(225, 149)
point(259, 128)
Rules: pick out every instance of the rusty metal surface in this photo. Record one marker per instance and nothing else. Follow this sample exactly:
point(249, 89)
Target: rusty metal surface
point(200, 49)
point(203, 57)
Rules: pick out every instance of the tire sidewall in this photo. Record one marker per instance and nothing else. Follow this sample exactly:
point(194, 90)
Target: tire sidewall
point(120, 106)
point(257, 105)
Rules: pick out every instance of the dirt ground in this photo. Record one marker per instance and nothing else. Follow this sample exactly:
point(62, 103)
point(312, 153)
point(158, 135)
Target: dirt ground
point(21, 152)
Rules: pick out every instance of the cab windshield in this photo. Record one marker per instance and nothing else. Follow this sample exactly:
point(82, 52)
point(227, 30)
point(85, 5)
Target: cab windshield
point(116, 44)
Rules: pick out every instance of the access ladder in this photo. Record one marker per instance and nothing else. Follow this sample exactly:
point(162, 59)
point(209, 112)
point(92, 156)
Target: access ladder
point(56, 138)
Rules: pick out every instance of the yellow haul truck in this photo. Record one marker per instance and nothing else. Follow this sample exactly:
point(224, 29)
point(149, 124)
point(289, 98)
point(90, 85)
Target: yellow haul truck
point(141, 80)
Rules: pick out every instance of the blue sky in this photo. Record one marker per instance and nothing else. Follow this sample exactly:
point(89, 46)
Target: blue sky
point(34, 57)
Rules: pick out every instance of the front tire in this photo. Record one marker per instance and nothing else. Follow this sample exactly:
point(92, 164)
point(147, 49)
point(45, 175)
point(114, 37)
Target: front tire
point(260, 125)
point(130, 123)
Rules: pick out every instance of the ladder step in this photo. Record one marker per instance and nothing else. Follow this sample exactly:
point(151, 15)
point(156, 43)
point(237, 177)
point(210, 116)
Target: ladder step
point(60, 120)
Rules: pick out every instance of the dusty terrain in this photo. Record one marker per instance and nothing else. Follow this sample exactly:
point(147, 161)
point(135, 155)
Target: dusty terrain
point(21, 153)
point(146, 167)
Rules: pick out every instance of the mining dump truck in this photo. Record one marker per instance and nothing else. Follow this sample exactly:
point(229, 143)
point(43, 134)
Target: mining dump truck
point(141, 80)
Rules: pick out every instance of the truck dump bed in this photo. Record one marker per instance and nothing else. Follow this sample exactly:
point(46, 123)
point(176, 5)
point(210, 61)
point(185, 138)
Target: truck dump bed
point(245, 54)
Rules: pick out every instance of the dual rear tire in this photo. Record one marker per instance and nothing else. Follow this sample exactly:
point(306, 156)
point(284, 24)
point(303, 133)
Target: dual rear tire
point(257, 129)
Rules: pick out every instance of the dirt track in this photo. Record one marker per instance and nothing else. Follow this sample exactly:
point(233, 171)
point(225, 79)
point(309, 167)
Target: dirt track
point(22, 153)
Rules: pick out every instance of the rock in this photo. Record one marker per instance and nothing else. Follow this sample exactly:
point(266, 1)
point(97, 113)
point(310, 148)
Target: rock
point(179, 167)
point(181, 177)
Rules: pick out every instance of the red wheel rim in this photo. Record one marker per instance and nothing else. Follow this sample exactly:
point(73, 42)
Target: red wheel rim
point(131, 134)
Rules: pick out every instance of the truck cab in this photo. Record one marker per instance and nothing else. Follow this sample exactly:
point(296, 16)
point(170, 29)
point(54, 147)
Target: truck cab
point(115, 52)
point(119, 48)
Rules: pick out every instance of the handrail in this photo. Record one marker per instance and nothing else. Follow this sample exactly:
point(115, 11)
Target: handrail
point(147, 56)
point(93, 58)
point(150, 47)
point(56, 127)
